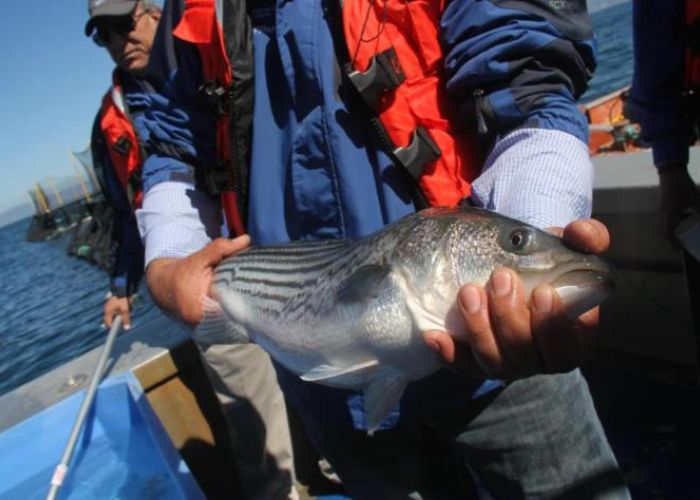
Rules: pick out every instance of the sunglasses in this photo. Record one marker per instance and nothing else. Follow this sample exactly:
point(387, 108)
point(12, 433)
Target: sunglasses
point(116, 26)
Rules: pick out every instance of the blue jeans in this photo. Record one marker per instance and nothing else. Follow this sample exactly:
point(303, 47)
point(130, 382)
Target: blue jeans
point(535, 438)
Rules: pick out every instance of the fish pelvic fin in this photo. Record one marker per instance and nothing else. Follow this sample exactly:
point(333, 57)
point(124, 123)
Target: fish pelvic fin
point(326, 373)
point(215, 327)
point(382, 395)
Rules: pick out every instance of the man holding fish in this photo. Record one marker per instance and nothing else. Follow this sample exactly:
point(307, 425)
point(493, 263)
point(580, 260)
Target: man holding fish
point(360, 118)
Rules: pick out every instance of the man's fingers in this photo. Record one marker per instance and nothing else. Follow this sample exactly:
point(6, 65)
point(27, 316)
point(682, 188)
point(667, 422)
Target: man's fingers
point(587, 235)
point(473, 302)
point(458, 357)
point(510, 321)
point(126, 319)
point(562, 342)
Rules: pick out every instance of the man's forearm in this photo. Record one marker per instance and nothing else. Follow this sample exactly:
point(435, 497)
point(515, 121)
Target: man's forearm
point(160, 283)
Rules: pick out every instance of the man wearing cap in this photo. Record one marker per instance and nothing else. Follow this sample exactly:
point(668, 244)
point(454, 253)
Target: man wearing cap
point(123, 137)
point(125, 28)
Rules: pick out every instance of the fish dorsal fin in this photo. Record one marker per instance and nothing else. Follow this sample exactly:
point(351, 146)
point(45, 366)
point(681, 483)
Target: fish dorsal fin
point(215, 328)
point(328, 372)
point(363, 284)
point(382, 395)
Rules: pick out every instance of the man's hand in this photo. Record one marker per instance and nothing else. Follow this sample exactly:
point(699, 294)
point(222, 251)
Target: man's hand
point(117, 306)
point(177, 285)
point(506, 338)
point(678, 193)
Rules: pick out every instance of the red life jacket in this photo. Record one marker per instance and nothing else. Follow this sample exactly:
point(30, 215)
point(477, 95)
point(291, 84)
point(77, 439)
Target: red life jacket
point(200, 27)
point(399, 40)
point(122, 143)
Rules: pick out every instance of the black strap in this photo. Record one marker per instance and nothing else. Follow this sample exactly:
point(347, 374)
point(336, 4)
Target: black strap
point(238, 40)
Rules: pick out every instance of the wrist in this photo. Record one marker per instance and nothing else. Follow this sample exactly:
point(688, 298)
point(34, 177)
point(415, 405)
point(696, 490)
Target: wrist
point(118, 286)
point(158, 279)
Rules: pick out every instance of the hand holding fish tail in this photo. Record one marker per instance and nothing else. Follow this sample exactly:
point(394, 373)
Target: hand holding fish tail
point(508, 338)
point(177, 284)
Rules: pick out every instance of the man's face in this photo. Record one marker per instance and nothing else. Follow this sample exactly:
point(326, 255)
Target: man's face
point(129, 39)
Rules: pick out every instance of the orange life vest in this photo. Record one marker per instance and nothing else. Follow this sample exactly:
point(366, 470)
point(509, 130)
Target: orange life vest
point(200, 27)
point(122, 143)
point(396, 42)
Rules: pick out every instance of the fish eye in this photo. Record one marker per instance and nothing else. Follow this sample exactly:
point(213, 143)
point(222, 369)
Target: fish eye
point(519, 239)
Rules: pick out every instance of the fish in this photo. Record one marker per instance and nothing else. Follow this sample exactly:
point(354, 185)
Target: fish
point(351, 313)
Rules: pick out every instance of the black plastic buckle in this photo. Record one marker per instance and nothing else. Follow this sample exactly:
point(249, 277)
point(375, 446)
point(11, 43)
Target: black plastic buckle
point(384, 74)
point(212, 96)
point(421, 150)
point(219, 179)
point(122, 146)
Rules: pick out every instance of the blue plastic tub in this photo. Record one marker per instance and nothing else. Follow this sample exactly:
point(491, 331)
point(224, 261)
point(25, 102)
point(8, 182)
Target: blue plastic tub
point(122, 452)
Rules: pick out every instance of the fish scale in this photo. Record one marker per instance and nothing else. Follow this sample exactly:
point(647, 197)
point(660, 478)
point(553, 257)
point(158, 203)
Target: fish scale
point(351, 313)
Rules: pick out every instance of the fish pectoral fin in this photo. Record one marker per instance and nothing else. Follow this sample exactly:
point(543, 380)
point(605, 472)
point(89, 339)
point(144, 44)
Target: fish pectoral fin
point(382, 395)
point(327, 372)
point(215, 328)
point(363, 284)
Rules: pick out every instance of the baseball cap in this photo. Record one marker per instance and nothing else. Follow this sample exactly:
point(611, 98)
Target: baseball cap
point(107, 8)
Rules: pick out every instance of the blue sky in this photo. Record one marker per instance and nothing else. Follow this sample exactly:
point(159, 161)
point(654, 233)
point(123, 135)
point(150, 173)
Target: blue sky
point(53, 79)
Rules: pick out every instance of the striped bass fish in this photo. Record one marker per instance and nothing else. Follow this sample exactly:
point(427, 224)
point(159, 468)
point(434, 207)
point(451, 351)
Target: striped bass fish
point(351, 313)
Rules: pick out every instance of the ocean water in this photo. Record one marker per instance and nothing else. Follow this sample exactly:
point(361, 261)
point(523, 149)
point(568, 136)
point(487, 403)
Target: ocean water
point(51, 304)
point(613, 33)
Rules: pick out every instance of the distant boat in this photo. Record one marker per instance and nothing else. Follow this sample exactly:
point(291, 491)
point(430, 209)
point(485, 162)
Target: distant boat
point(612, 128)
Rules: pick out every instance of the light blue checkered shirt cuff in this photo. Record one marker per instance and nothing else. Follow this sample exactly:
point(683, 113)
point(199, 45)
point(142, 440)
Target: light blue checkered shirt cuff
point(177, 220)
point(539, 176)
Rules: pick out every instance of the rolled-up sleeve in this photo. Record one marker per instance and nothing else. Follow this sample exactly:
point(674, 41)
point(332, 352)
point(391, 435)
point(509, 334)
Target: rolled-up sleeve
point(542, 177)
point(519, 64)
point(176, 220)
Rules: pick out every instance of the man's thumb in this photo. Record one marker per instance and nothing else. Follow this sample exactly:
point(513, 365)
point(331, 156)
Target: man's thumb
point(221, 248)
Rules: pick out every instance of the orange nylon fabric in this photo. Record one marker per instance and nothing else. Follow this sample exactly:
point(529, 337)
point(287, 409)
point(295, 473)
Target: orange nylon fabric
point(200, 27)
point(115, 127)
point(411, 28)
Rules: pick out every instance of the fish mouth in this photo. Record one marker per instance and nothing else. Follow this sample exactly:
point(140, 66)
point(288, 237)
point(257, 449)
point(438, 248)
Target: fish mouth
point(583, 289)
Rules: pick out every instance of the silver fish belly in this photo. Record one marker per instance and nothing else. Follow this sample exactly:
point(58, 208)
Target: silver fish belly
point(351, 313)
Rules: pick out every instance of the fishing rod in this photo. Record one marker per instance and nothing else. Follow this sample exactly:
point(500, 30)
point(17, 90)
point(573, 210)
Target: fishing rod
point(62, 467)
